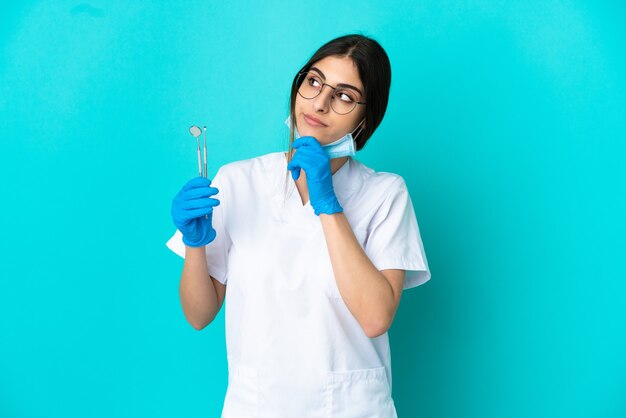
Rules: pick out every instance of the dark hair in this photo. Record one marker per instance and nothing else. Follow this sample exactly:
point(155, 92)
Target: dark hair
point(374, 70)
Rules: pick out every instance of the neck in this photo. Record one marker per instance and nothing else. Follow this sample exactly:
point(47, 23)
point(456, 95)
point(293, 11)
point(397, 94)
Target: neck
point(336, 163)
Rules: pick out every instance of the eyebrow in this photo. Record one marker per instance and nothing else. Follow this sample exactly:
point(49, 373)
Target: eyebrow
point(338, 85)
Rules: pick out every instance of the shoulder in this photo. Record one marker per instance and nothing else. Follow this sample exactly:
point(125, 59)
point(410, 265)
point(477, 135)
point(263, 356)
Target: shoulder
point(370, 195)
point(379, 183)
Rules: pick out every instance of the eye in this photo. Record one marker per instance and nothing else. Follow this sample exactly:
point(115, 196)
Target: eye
point(312, 80)
point(345, 96)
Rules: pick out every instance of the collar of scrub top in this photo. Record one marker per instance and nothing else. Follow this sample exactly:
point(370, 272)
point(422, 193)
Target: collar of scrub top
point(291, 212)
point(345, 181)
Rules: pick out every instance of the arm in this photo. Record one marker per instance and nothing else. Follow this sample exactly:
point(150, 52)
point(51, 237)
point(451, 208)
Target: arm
point(372, 296)
point(201, 295)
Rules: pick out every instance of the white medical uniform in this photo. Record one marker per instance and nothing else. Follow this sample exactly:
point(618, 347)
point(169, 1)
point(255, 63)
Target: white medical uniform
point(294, 349)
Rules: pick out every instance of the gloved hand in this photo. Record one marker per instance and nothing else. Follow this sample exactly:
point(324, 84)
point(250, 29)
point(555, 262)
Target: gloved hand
point(189, 208)
point(311, 157)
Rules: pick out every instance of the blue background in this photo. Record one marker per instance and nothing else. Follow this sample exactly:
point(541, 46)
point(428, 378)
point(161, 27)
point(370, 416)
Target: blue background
point(506, 119)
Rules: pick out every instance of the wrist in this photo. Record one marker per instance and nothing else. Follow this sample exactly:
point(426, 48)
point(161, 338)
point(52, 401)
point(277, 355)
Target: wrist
point(328, 207)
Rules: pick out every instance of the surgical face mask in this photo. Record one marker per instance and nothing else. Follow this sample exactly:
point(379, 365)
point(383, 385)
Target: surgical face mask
point(344, 146)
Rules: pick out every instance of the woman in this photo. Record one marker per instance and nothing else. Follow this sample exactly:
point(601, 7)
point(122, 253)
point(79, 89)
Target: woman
point(312, 281)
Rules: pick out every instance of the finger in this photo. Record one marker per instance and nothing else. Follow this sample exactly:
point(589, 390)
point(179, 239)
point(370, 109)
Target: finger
point(200, 192)
point(310, 153)
point(200, 203)
point(199, 213)
point(294, 166)
point(305, 158)
point(295, 169)
point(197, 182)
point(302, 153)
point(298, 161)
point(306, 141)
point(295, 173)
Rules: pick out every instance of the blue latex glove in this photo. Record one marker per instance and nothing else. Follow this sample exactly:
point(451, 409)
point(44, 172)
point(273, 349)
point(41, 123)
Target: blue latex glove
point(189, 208)
point(311, 157)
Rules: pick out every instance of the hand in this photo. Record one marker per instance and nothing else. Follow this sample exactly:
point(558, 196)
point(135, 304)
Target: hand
point(189, 208)
point(311, 157)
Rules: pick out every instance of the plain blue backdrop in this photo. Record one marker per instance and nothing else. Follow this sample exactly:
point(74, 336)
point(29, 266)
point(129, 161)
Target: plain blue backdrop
point(506, 119)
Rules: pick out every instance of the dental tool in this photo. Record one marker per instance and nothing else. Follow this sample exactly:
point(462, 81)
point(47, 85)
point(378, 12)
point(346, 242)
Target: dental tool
point(206, 173)
point(195, 131)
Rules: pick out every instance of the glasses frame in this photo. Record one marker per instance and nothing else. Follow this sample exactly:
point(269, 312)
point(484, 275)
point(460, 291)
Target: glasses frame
point(304, 73)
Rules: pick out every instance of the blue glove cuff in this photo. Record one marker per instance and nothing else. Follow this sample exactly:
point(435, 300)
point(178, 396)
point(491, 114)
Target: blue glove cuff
point(202, 241)
point(328, 207)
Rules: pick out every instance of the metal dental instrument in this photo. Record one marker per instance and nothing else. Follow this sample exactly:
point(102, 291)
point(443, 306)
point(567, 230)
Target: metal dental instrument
point(195, 131)
point(206, 173)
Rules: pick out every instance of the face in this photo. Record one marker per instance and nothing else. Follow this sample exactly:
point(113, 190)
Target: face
point(334, 71)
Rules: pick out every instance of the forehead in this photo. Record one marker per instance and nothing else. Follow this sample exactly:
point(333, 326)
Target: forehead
point(339, 70)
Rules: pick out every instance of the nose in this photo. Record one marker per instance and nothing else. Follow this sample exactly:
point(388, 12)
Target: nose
point(321, 102)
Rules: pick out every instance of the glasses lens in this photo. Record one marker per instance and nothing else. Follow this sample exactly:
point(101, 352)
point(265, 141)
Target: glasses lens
point(343, 101)
point(311, 85)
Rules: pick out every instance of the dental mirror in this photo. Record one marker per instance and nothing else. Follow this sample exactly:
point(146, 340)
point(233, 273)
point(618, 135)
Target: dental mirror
point(196, 132)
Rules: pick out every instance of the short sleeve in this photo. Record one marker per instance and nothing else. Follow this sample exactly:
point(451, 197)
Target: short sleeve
point(217, 250)
point(394, 240)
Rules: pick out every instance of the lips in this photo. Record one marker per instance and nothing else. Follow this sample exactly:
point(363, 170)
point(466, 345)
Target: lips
point(313, 121)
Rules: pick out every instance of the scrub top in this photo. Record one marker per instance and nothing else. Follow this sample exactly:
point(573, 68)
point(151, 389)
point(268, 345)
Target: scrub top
point(293, 347)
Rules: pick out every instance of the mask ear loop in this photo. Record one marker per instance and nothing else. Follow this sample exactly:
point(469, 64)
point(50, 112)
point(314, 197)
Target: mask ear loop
point(355, 129)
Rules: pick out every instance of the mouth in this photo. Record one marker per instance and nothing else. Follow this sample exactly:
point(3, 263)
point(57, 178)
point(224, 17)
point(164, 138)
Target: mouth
point(313, 122)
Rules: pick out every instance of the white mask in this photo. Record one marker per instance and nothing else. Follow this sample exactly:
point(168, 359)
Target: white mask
point(344, 146)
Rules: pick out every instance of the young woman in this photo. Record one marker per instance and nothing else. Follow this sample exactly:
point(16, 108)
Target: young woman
point(312, 279)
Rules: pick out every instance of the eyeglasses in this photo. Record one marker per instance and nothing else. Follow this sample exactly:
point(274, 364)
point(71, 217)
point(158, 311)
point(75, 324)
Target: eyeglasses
point(343, 100)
